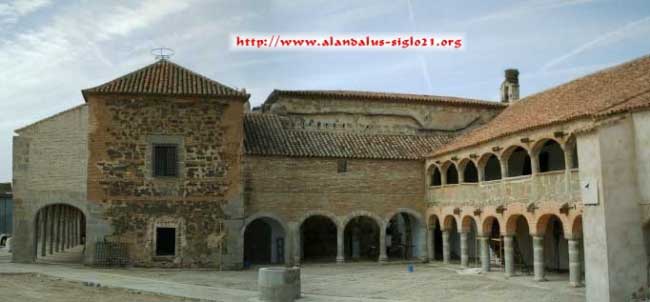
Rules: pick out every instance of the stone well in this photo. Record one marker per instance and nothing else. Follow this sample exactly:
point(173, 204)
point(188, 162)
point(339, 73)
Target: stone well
point(279, 284)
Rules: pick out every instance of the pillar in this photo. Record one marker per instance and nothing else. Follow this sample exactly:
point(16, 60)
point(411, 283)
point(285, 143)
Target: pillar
point(575, 268)
point(485, 253)
point(538, 257)
point(421, 248)
point(534, 163)
point(430, 243)
point(52, 225)
point(44, 230)
point(75, 229)
point(382, 244)
point(446, 253)
point(340, 258)
point(464, 250)
point(57, 241)
point(509, 255)
point(64, 233)
point(297, 246)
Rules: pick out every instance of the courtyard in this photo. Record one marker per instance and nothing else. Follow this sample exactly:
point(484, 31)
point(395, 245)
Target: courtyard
point(320, 282)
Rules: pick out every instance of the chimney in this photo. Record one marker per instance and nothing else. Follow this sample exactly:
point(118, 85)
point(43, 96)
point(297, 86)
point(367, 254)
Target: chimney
point(510, 86)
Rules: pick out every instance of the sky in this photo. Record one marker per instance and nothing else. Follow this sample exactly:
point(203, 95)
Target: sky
point(51, 50)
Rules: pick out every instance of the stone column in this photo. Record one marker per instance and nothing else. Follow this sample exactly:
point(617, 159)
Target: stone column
point(64, 233)
point(538, 257)
point(59, 228)
point(52, 226)
point(44, 230)
point(575, 269)
point(485, 254)
point(382, 244)
point(464, 250)
point(297, 246)
point(340, 258)
point(446, 252)
point(75, 231)
point(421, 248)
point(509, 256)
point(534, 164)
point(430, 244)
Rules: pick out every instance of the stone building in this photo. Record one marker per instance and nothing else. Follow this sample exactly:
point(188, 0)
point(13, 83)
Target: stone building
point(164, 167)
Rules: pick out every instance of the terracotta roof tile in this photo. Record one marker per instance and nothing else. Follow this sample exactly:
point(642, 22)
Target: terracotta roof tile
point(381, 97)
point(165, 78)
point(616, 89)
point(270, 134)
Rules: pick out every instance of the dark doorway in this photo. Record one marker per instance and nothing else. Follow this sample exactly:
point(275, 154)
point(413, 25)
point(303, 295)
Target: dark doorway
point(165, 241)
point(257, 243)
point(318, 234)
point(361, 239)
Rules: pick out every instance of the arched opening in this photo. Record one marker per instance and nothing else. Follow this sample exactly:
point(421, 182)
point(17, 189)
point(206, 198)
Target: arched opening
point(404, 235)
point(454, 238)
point(436, 177)
point(470, 227)
point(318, 237)
point(60, 234)
point(470, 173)
point(519, 163)
point(522, 244)
point(437, 240)
point(452, 174)
point(264, 242)
point(556, 247)
point(361, 239)
point(492, 170)
point(492, 230)
point(551, 157)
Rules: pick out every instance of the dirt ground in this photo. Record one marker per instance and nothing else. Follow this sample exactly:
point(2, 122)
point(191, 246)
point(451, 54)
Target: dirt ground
point(38, 288)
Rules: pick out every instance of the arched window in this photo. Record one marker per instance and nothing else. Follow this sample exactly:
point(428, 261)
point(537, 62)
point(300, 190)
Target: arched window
point(492, 168)
point(436, 177)
point(519, 163)
point(470, 174)
point(452, 174)
point(551, 157)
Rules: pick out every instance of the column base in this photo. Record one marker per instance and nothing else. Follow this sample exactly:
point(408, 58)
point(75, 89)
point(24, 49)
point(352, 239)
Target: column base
point(383, 259)
point(340, 260)
point(540, 279)
point(575, 284)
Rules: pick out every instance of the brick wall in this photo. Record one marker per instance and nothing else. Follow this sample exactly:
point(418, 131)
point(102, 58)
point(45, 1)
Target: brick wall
point(291, 187)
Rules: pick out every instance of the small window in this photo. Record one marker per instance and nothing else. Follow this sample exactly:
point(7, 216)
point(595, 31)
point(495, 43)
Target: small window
point(165, 241)
point(342, 166)
point(165, 158)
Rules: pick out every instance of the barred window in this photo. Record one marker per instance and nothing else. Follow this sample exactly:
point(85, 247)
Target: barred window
point(165, 159)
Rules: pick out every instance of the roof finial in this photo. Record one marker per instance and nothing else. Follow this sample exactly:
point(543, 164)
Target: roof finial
point(162, 53)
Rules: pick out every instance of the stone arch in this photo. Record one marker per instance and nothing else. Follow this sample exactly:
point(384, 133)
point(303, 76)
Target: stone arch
point(59, 227)
point(406, 226)
point(543, 218)
point(571, 146)
point(312, 213)
point(434, 175)
point(518, 161)
point(361, 235)
point(489, 166)
point(488, 224)
point(469, 170)
point(261, 244)
point(449, 223)
point(315, 239)
point(466, 223)
point(450, 173)
point(576, 228)
point(549, 154)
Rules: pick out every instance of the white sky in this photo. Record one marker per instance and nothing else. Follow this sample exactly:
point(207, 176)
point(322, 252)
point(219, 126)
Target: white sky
point(50, 50)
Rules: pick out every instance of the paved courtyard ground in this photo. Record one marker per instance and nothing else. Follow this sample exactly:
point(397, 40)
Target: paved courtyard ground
point(320, 282)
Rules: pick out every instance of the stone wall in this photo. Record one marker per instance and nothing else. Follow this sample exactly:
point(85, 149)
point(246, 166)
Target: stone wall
point(381, 117)
point(203, 203)
point(49, 167)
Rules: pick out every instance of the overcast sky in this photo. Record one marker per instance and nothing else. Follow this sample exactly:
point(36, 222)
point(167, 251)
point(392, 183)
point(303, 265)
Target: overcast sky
point(50, 50)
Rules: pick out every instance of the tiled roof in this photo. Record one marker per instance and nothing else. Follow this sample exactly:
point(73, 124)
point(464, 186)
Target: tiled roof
point(268, 134)
point(166, 78)
point(616, 89)
point(382, 97)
